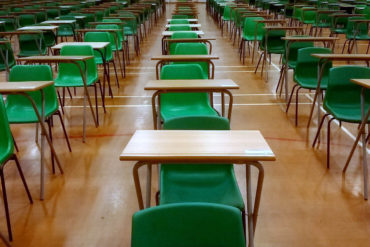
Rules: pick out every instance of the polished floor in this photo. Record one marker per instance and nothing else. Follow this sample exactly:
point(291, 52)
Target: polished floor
point(303, 203)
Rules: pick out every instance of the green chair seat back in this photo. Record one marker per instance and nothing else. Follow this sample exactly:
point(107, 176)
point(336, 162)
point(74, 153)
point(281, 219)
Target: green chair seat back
point(32, 45)
point(115, 44)
point(293, 52)
point(100, 37)
point(6, 140)
point(181, 35)
point(194, 49)
point(180, 17)
point(66, 29)
point(184, 104)
point(179, 22)
point(188, 224)
point(250, 26)
point(19, 107)
point(69, 75)
point(306, 71)
point(357, 30)
point(180, 28)
point(26, 20)
point(275, 45)
point(342, 98)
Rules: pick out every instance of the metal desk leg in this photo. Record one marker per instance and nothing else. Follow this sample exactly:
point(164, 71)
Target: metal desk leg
point(148, 185)
point(249, 206)
point(43, 133)
point(286, 69)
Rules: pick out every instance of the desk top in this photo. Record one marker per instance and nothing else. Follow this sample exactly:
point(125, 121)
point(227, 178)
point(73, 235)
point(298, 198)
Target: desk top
point(184, 57)
point(231, 146)
point(272, 21)
point(176, 25)
point(344, 57)
point(43, 28)
point(94, 45)
point(97, 30)
point(190, 20)
point(191, 84)
point(54, 59)
point(189, 40)
point(169, 33)
point(26, 86)
point(57, 22)
point(283, 28)
point(76, 16)
point(362, 82)
point(297, 38)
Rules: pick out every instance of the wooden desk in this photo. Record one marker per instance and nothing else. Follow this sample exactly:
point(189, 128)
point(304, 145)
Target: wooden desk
point(191, 25)
point(365, 84)
point(41, 28)
point(72, 23)
point(323, 60)
point(242, 147)
point(74, 60)
point(171, 86)
point(167, 34)
point(185, 58)
point(202, 40)
point(356, 32)
point(293, 39)
point(22, 88)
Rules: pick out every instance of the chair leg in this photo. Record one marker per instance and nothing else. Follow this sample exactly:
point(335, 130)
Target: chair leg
point(115, 72)
point(296, 106)
point(290, 98)
point(259, 60)
point(19, 168)
point(319, 129)
point(344, 45)
point(244, 223)
point(328, 145)
point(280, 78)
point(15, 144)
point(102, 96)
point(6, 207)
point(51, 139)
point(64, 130)
point(96, 104)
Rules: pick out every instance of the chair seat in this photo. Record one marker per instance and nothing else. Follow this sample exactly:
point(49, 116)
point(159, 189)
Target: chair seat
point(28, 114)
point(251, 37)
point(358, 37)
point(311, 82)
point(200, 183)
point(346, 113)
point(169, 110)
point(73, 81)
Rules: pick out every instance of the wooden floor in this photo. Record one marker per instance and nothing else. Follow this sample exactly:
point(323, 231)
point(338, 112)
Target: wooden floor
point(303, 203)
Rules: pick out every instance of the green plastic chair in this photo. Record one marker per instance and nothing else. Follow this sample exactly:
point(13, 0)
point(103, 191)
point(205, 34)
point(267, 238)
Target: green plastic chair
point(292, 61)
point(354, 32)
point(103, 37)
point(53, 13)
point(8, 60)
point(26, 20)
point(184, 104)
point(306, 71)
point(66, 30)
point(180, 17)
point(248, 34)
point(19, 108)
point(6, 154)
point(179, 22)
point(69, 75)
point(342, 99)
point(194, 49)
point(32, 45)
point(180, 28)
point(117, 44)
point(199, 182)
point(188, 224)
point(49, 36)
point(181, 35)
point(275, 45)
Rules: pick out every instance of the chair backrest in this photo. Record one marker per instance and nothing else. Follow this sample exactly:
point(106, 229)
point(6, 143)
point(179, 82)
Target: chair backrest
point(182, 72)
point(357, 28)
point(7, 49)
point(118, 36)
point(193, 49)
point(180, 17)
point(293, 51)
point(341, 91)
point(179, 22)
point(6, 140)
point(100, 37)
point(274, 42)
point(181, 35)
point(188, 224)
point(250, 26)
point(71, 70)
point(26, 20)
point(21, 73)
point(197, 123)
point(180, 28)
point(307, 65)
point(32, 44)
